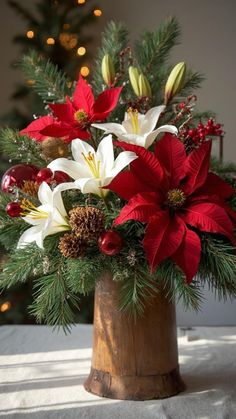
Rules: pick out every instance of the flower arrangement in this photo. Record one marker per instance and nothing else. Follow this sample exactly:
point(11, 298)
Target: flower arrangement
point(117, 176)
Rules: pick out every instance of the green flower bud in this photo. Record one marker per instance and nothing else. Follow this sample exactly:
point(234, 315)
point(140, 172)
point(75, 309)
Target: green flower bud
point(134, 79)
point(144, 86)
point(108, 70)
point(175, 81)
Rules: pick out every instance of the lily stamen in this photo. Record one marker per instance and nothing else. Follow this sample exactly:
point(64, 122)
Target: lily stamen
point(30, 210)
point(133, 115)
point(93, 165)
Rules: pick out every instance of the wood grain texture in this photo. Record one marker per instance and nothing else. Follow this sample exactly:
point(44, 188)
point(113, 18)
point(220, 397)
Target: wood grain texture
point(133, 360)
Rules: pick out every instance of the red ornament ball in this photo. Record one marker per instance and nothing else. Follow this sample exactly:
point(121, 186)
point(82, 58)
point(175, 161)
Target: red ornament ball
point(110, 243)
point(13, 209)
point(61, 177)
point(44, 175)
point(16, 175)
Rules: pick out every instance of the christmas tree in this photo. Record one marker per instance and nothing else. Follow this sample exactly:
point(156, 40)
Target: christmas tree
point(59, 31)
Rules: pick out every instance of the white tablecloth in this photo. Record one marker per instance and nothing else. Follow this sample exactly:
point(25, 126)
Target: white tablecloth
point(42, 374)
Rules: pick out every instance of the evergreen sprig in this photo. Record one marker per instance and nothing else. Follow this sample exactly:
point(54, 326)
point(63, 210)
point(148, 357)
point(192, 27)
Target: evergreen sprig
point(48, 81)
point(20, 148)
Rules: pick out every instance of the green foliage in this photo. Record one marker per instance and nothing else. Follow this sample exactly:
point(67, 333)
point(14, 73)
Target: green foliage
point(193, 81)
point(21, 266)
point(49, 82)
point(153, 48)
point(218, 267)
point(20, 148)
point(114, 41)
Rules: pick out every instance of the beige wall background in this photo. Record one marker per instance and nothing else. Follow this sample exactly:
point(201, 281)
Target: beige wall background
point(208, 45)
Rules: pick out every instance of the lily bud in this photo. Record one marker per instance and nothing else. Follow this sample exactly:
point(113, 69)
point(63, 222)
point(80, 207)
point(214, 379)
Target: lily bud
point(144, 86)
point(134, 79)
point(175, 81)
point(108, 70)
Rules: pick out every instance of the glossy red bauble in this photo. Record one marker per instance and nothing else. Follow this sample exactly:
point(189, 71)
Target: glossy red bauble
point(13, 209)
point(110, 243)
point(16, 175)
point(44, 175)
point(61, 177)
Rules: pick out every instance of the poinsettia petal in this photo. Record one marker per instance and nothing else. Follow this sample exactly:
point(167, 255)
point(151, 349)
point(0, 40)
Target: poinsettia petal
point(83, 96)
point(105, 103)
point(171, 153)
point(188, 254)
point(214, 185)
point(209, 217)
point(57, 129)
point(63, 111)
point(163, 236)
point(34, 129)
point(197, 167)
point(146, 164)
point(126, 185)
point(141, 207)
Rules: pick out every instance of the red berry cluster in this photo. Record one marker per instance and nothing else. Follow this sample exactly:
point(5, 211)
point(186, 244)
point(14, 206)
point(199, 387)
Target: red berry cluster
point(198, 135)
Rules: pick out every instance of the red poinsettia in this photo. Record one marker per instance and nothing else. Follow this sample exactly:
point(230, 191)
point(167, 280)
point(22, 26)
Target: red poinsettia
point(72, 119)
point(176, 196)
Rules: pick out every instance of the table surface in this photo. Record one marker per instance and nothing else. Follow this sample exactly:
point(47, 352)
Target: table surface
point(42, 374)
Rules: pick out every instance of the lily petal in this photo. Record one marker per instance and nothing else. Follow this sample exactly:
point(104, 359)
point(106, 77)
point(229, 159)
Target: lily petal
point(89, 185)
point(164, 128)
point(72, 168)
point(110, 127)
point(105, 154)
point(32, 234)
point(150, 119)
point(123, 160)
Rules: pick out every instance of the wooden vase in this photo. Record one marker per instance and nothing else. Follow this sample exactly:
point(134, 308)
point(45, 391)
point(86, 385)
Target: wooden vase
point(133, 360)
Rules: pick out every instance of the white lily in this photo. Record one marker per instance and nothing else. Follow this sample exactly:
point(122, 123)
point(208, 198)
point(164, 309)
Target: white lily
point(92, 169)
point(138, 128)
point(46, 219)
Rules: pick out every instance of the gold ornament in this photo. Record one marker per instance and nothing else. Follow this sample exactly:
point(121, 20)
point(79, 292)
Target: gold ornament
point(30, 187)
point(52, 148)
point(71, 246)
point(86, 222)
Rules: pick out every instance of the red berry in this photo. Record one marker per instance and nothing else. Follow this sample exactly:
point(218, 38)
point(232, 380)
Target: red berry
point(44, 175)
point(182, 105)
point(210, 122)
point(16, 175)
point(202, 135)
point(191, 132)
point(217, 126)
point(61, 177)
point(110, 243)
point(13, 209)
point(200, 126)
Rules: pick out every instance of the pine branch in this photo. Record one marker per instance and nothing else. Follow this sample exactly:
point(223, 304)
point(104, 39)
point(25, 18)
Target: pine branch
point(153, 48)
point(114, 40)
point(81, 275)
point(49, 82)
point(20, 266)
point(55, 303)
point(136, 290)
point(173, 282)
point(218, 267)
point(20, 147)
point(193, 81)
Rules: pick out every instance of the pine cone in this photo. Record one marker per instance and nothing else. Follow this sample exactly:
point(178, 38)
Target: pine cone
point(53, 148)
point(71, 246)
point(30, 188)
point(86, 222)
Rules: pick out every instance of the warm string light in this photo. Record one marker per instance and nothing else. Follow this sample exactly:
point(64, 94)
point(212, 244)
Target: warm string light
point(50, 41)
point(5, 306)
point(84, 71)
point(81, 1)
point(30, 34)
point(97, 12)
point(81, 51)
